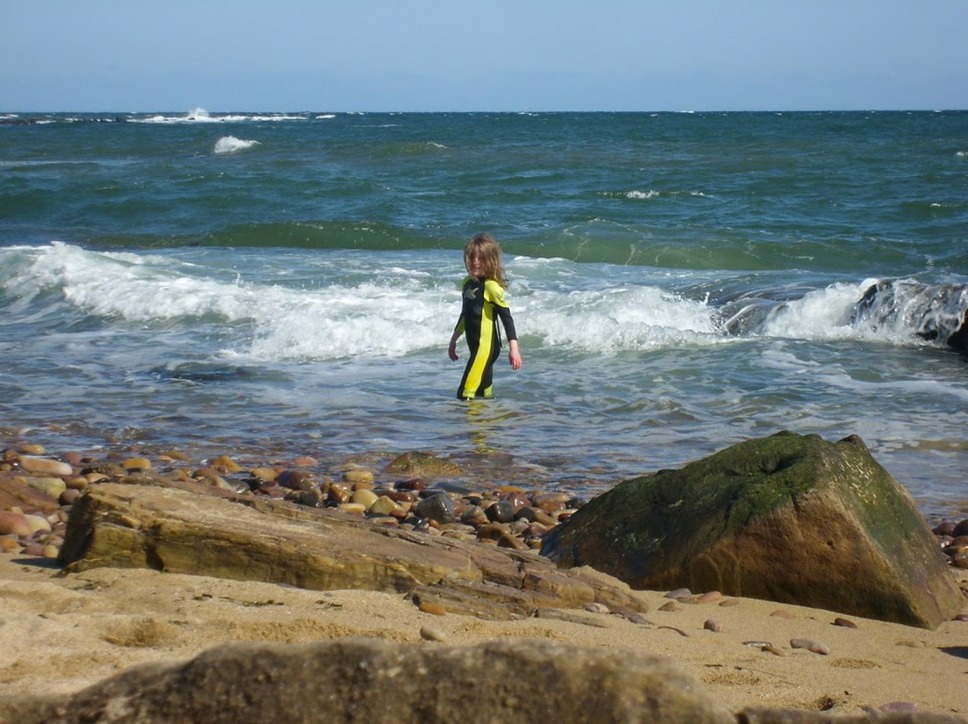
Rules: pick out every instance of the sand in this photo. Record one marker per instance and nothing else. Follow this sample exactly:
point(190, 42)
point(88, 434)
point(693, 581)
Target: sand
point(61, 633)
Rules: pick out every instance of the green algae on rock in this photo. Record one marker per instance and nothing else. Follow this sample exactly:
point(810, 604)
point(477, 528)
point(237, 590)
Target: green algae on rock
point(788, 518)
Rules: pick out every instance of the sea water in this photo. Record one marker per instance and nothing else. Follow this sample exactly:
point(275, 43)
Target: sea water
point(284, 284)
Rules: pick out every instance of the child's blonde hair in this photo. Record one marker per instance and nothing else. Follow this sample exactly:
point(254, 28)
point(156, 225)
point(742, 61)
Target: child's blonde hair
point(485, 247)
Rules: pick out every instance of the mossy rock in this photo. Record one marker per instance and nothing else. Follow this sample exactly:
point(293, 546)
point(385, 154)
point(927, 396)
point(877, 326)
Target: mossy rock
point(787, 518)
point(422, 465)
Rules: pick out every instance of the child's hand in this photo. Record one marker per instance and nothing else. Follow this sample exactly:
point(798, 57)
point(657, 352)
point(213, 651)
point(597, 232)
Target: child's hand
point(514, 355)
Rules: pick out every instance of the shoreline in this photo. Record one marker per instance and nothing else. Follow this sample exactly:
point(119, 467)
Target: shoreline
point(61, 633)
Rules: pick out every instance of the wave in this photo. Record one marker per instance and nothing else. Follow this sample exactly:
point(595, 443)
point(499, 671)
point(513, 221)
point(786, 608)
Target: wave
point(230, 144)
point(899, 311)
point(343, 304)
point(200, 115)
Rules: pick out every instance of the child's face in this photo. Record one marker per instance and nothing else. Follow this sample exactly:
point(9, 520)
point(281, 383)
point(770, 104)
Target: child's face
point(475, 265)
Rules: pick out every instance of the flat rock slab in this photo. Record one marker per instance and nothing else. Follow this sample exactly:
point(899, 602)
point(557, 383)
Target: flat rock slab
point(258, 539)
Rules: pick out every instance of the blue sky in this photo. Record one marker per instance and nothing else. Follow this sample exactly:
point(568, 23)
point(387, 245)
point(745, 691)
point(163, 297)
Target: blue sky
point(453, 55)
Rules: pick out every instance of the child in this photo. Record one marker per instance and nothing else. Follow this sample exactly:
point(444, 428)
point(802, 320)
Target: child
point(483, 303)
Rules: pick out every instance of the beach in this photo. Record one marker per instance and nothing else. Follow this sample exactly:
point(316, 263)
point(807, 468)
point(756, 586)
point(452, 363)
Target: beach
point(63, 632)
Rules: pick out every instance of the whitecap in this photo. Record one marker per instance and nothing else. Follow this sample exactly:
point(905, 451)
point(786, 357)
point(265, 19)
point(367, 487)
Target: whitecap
point(230, 144)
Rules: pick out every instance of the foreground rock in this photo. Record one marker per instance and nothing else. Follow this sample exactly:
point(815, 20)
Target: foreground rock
point(786, 518)
point(362, 680)
point(257, 539)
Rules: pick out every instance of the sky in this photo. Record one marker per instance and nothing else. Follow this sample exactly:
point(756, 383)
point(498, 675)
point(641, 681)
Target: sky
point(495, 55)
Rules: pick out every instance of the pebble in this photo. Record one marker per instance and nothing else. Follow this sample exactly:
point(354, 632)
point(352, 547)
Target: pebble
point(809, 645)
point(845, 622)
point(135, 464)
point(45, 466)
point(671, 606)
point(37, 523)
point(431, 634)
point(596, 607)
point(679, 593)
point(433, 608)
point(354, 508)
point(225, 464)
point(502, 511)
point(714, 626)
point(359, 477)
point(48, 486)
point(12, 523)
point(783, 613)
point(384, 505)
point(264, 474)
point(365, 497)
point(438, 507)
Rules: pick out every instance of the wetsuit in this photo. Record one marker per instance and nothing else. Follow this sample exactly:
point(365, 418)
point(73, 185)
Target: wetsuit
point(483, 303)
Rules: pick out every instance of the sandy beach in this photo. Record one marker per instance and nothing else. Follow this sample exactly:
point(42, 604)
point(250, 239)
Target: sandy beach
point(60, 633)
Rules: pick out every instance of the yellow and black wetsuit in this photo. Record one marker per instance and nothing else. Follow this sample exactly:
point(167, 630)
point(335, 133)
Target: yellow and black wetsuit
point(483, 303)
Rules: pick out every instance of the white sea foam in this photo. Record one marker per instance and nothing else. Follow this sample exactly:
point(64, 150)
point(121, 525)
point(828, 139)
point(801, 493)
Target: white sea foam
point(619, 319)
point(231, 144)
point(821, 314)
point(200, 115)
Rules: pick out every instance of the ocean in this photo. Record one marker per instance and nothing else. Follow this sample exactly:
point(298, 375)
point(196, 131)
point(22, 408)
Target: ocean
point(273, 284)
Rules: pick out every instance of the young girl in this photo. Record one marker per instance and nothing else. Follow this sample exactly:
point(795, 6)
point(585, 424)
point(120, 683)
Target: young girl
point(483, 303)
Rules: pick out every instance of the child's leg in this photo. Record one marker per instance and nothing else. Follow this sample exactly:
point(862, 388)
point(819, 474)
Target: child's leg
point(478, 374)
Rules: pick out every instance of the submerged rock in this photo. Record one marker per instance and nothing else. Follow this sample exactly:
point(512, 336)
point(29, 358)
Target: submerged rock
point(785, 518)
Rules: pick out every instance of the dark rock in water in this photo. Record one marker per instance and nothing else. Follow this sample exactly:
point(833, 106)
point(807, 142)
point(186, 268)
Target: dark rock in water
point(787, 518)
point(361, 680)
point(421, 465)
point(937, 312)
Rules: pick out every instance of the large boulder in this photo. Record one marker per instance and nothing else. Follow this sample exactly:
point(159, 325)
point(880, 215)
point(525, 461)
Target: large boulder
point(361, 680)
point(205, 532)
point(786, 518)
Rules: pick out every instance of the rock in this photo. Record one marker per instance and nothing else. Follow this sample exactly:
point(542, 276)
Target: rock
point(37, 523)
point(810, 645)
point(263, 474)
point(48, 486)
point(422, 465)
point(45, 466)
point(361, 680)
point(137, 463)
point(226, 465)
point(14, 524)
point(198, 530)
point(438, 507)
point(384, 505)
point(15, 493)
point(501, 511)
point(364, 497)
point(359, 477)
point(296, 480)
point(787, 518)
